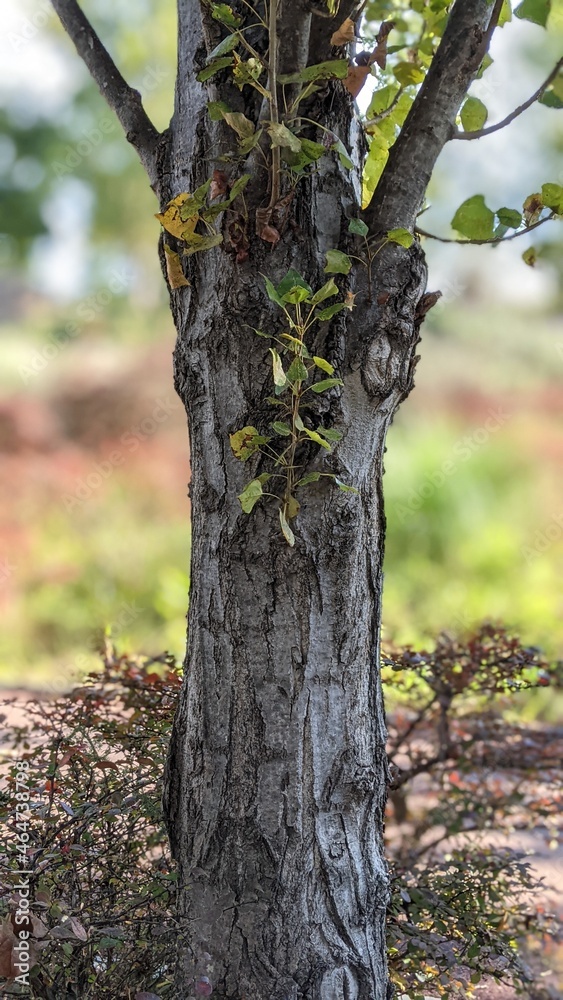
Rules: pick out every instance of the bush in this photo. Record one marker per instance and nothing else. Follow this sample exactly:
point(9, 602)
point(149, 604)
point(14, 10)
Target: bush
point(465, 774)
point(101, 878)
point(102, 884)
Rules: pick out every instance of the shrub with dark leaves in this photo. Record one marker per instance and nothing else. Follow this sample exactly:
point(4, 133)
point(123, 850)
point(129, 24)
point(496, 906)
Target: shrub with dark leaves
point(101, 923)
point(101, 881)
point(465, 775)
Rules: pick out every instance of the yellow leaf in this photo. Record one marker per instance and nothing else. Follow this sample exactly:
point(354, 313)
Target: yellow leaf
point(292, 507)
point(172, 221)
point(346, 33)
point(175, 275)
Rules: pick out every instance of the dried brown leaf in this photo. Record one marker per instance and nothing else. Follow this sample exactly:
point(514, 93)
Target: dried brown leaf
point(219, 184)
point(355, 79)
point(345, 33)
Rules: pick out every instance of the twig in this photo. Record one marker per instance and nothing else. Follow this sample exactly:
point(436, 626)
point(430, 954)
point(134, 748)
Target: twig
point(273, 88)
point(479, 133)
point(499, 4)
point(492, 239)
point(387, 112)
point(123, 99)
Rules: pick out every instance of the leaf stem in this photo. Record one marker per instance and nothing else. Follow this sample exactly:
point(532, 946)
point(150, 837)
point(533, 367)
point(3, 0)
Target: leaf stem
point(273, 90)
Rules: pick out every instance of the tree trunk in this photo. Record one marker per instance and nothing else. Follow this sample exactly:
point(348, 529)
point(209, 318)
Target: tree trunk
point(276, 782)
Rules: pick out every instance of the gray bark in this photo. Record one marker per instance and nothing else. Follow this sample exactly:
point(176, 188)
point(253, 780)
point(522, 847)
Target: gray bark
point(277, 773)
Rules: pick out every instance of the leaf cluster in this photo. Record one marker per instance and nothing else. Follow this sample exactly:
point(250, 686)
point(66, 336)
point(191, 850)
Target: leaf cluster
point(294, 371)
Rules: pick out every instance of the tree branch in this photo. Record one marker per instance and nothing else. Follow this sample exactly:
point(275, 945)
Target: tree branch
point(479, 133)
point(430, 122)
point(491, 240)
point(123, 99)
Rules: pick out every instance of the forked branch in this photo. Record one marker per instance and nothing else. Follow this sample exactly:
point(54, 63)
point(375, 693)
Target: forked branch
point(123, 99)
point(479, 133)
point(429, 124)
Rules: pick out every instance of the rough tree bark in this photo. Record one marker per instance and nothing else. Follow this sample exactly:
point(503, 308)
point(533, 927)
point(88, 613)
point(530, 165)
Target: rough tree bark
point(277, 774)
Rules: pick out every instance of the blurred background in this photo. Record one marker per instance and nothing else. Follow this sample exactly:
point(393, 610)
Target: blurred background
point(94, 531)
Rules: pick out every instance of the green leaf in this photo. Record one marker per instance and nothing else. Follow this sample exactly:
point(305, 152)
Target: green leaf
point(295, 295)
point(292, 507)
point(473, 114)
point(293, 280)
point(553, 96)
point(272, 293)
point(280, 135)
point(330, 433)
point(536, 11)
point(343, 154)
point(295, 345)
point(225, 45)
point(277, 367)
point(505, 14)
point(344, 486)
point(377, 157)
point(280, 428)
point(358, 227)
point(246, 442)
point(474, 220)
point(242, 125)
point(509, 217)
point(408, 74)
point(225, 14)
point(382, 99)
point(552, 197)
point(327, 383)
point(337, 262)
point(214, 68)
point(297, 371)
point(312, 150)
point(250, 495)
point(329, 289)
point(245, 145)
point(530, 256)
point(238, 186)
point(193, 203)
point(487, 61)
point(317, 438)
point(309, 477)
point(217, 109)
point(319, 71)
point(401, 236)
point(330, 311)
point(287, 532)
point(196, 243)
point(324, 365)
point(248, 73)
